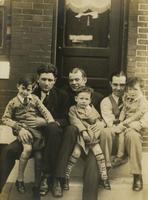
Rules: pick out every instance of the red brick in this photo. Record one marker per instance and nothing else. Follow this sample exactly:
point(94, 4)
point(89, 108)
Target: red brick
point(142, 41)
point(33, 11)
point(22, 5)
point(142, 59)
point(143, 18)
point(139, 64)
point(143, 6)
point(143, 36)
point(141, 53)
point(143, 30)
point(142, 47)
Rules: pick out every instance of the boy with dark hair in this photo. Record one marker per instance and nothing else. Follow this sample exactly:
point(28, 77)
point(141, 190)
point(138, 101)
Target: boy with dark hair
point(86, 118)
point(21, 107)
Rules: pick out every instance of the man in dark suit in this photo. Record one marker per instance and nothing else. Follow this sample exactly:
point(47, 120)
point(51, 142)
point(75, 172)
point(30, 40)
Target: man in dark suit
point(56, 101)
point(77, 78)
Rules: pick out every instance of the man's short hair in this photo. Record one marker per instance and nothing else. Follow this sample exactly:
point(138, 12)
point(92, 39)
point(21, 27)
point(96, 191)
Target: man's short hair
point(47, 68)
point(85, 89)
point(26, 81)
point(118, 74)
point(78, 69)
point(132, 81)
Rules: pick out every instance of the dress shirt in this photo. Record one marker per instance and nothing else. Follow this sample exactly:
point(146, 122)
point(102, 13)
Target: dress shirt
point(44, 95)
point(107, 110)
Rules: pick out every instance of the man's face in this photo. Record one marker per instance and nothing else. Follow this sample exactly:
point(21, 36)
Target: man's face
point(83, 99)
point(76, 80)
point(46, 81)
point(24, 91)
point(118, 85)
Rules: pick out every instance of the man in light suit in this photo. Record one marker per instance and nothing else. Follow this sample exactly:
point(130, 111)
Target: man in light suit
point(110, 112)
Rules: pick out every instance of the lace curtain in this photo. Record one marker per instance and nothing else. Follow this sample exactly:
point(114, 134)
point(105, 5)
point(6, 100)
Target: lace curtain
point(81, 6)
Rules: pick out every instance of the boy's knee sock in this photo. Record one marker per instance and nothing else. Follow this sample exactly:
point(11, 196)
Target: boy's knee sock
point(71, 163)
point(102, 166)
point(22, 165)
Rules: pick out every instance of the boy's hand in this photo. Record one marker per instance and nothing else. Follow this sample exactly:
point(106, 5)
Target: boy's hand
point(25, 136)
point(135, 125)
point(86, 137)
point(118, 129)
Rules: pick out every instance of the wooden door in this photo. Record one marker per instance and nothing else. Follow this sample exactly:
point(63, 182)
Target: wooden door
point(92, 40)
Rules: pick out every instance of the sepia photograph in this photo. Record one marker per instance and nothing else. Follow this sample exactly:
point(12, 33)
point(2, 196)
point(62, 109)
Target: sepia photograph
point(73, 99)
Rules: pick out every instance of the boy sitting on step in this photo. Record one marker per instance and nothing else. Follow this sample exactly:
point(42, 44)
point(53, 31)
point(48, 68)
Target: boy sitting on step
point(85, 117)
point(16, 113)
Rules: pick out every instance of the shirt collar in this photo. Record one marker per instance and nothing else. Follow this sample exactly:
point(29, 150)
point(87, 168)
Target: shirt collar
point(115, 98)
point(43, 95)
point(22, 99)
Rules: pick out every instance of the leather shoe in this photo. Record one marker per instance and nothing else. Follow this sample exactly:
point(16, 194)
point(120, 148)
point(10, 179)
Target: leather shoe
point(106, 184)
point(138, 182)
point(20, 186)
point(44, 188)
point(56, 189)
point(66, 184)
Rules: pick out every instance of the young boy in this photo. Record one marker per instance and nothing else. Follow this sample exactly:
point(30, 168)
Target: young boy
point(21, 107)
point(134, 107)
point(85, 117)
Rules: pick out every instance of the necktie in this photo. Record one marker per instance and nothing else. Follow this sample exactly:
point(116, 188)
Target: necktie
point(26, 100)
point(45, 100)
point(120, 103)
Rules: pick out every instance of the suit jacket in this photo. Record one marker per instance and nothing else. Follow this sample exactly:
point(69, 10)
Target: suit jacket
point(57, 103)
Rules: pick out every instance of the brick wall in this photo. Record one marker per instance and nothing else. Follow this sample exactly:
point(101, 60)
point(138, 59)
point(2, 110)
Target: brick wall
point(31, 40)
point(138, 41)
point(138, 46)
point(31, 35)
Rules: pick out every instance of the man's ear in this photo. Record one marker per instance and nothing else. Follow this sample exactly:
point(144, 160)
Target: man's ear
point(55, 79)
point(85, 80)
point(37, 79)
point(76, 98)
point(17, 86)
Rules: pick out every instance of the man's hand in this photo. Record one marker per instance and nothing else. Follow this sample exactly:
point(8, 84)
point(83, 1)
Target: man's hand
point(25, 136)
point(118, 129)
point(86, 137)
point(135, 125)
point(34, 122)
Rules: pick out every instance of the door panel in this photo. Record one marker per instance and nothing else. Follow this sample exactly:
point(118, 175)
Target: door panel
point(92, 41)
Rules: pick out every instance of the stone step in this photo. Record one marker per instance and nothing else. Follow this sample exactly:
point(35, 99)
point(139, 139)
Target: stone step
point(120, 178)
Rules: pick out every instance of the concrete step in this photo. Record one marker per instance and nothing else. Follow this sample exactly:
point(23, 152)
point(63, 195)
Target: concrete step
point(120, 178)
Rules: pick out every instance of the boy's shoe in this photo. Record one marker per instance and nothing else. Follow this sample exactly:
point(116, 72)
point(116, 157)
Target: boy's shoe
point(36, 193)
point(66, 184)
point(106, 184)
point(44, 188)
point(20, 186)
point(117, 161)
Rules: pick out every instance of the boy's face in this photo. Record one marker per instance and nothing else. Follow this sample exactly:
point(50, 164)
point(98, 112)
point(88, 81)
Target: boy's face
point(76, 80)
point(46, 81)
point(118, 85)
point(83, 99)
point(24, 91)
point(135, 90)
